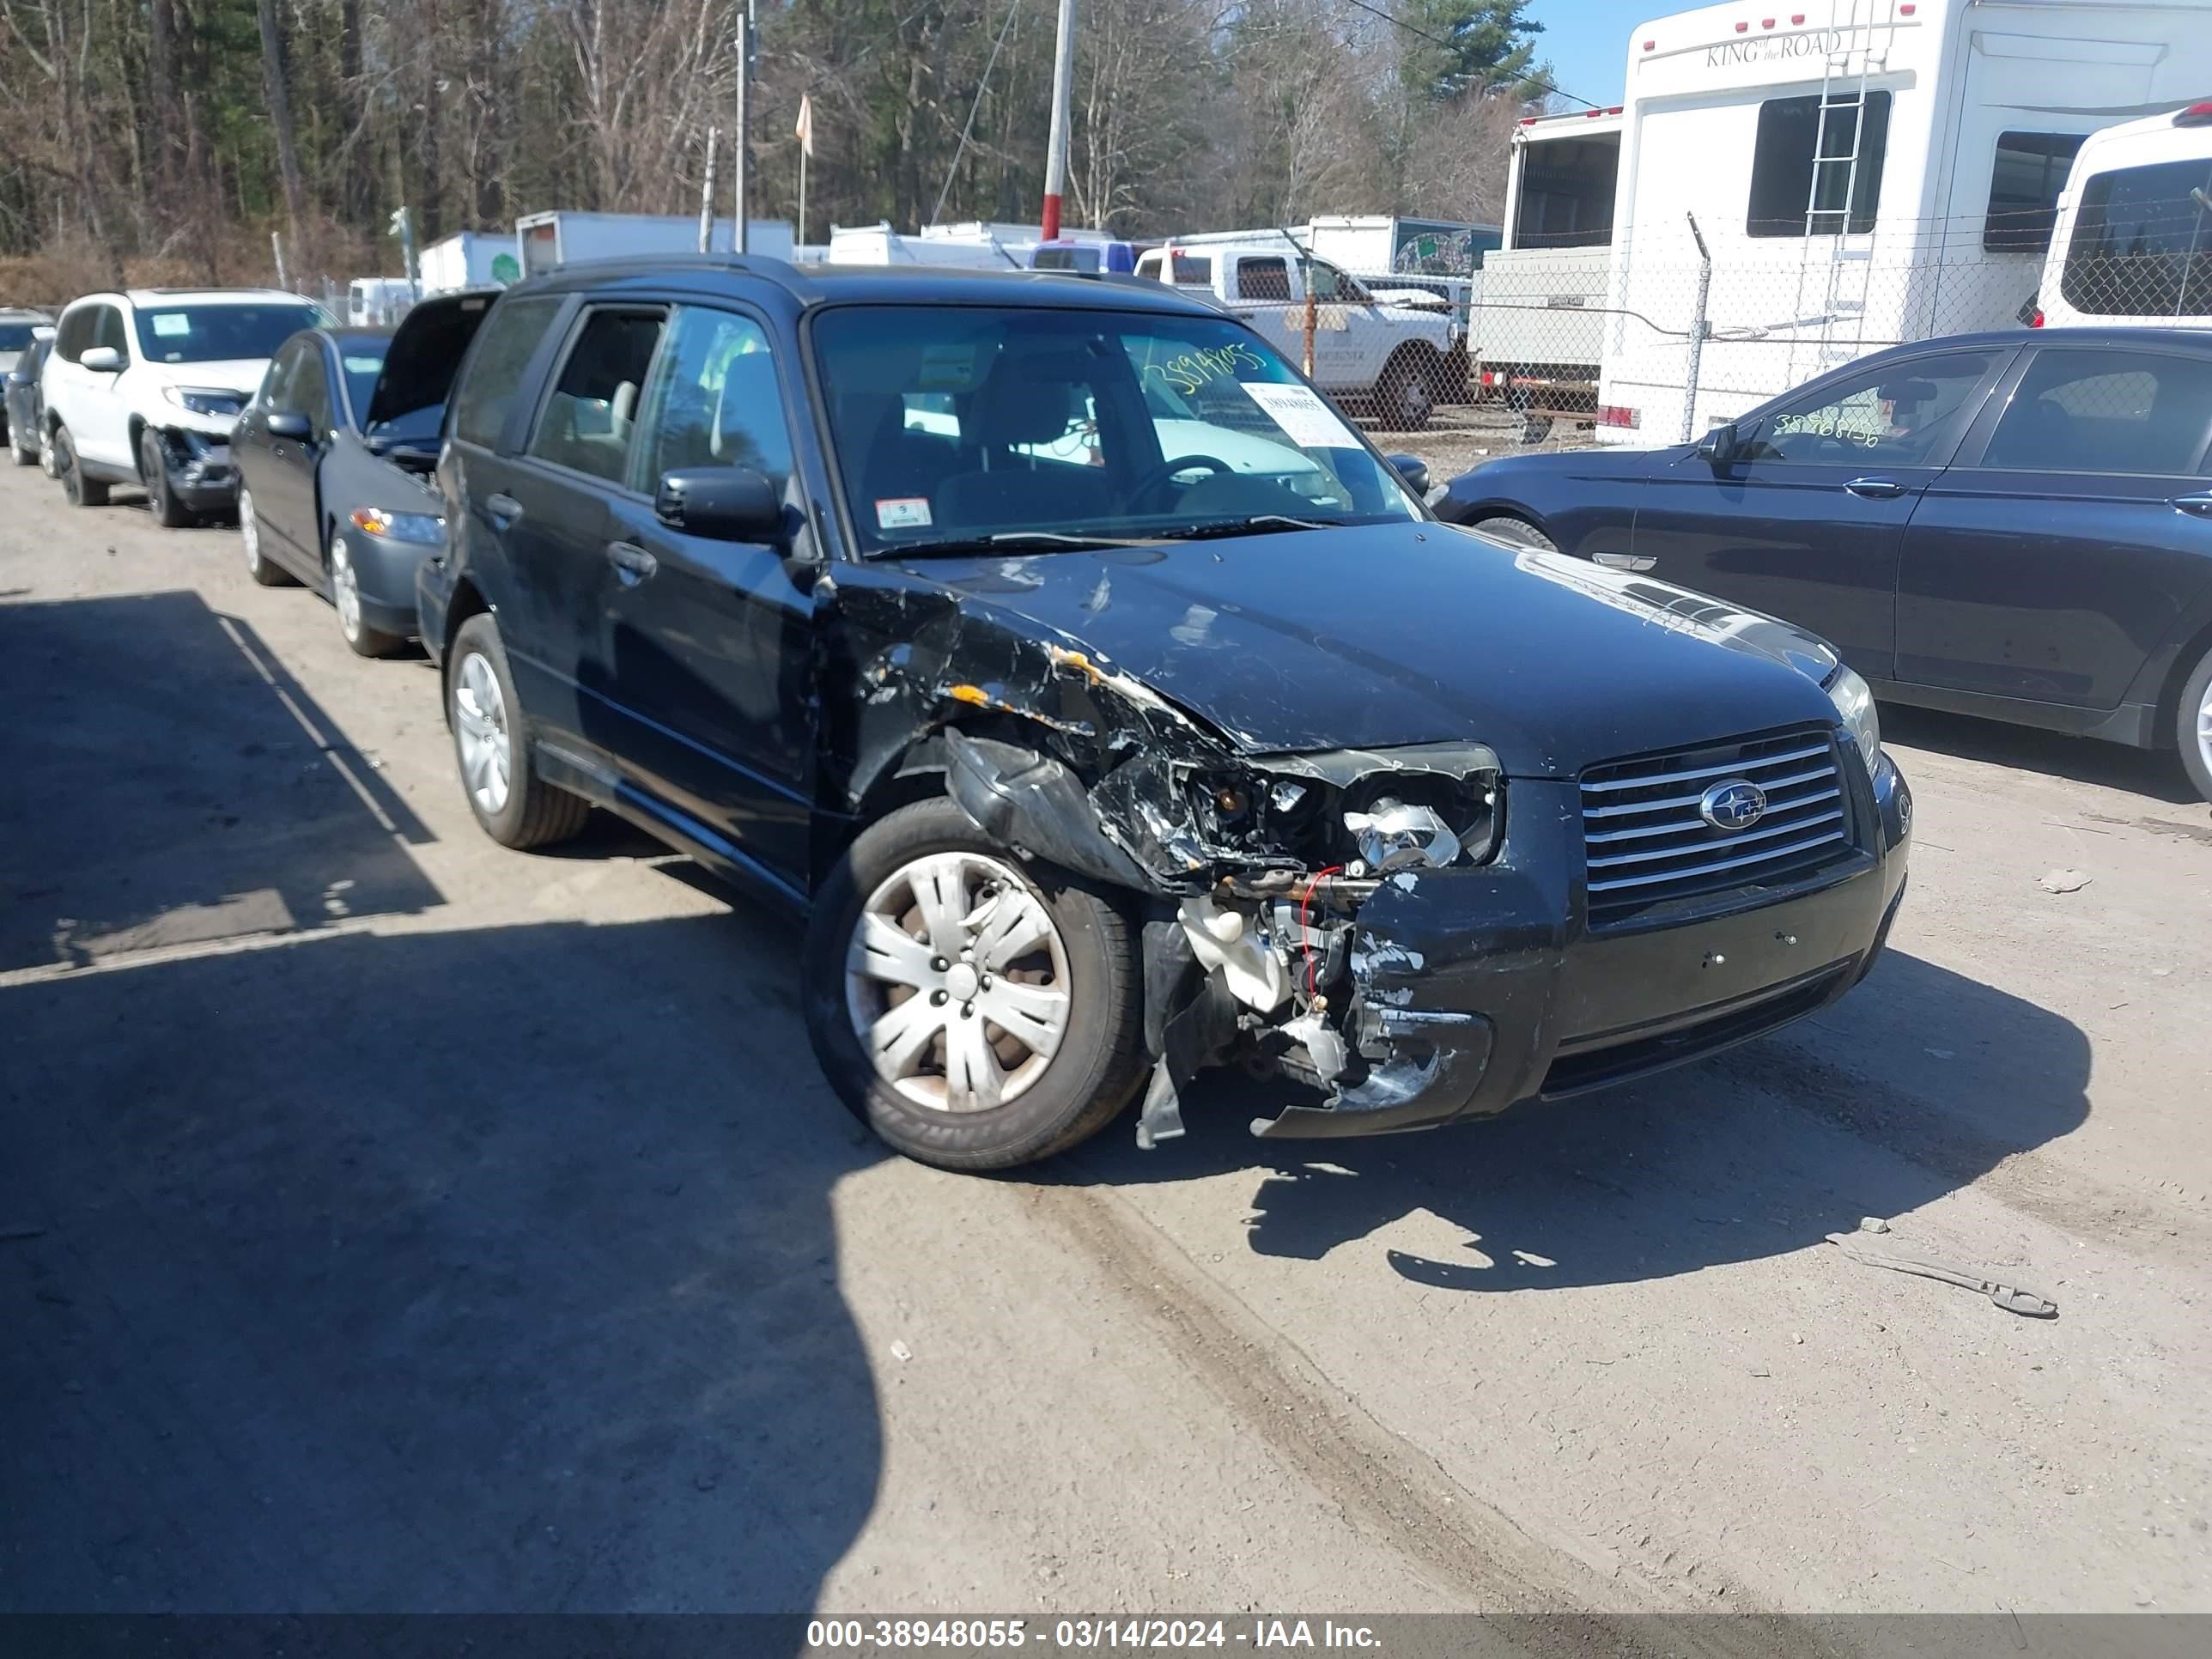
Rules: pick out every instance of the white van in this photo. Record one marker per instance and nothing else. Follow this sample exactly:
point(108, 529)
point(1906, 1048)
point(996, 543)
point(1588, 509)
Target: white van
point(2133, 242)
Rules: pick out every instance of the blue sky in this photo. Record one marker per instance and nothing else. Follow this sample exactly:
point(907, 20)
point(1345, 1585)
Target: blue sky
point(1587, 40)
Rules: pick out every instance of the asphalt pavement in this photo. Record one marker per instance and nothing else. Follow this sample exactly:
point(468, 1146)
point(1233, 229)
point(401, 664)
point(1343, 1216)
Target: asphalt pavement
point(392, 1222)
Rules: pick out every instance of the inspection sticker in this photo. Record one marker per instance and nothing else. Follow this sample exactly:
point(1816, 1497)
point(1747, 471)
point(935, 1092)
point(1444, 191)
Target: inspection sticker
point(1309, 422)
point(903, 513)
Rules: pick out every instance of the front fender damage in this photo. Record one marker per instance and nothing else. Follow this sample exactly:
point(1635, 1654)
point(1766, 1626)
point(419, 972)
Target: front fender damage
point(1246, 880)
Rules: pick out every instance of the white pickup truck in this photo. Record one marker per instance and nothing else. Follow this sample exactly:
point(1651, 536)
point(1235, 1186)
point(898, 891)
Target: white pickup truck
point(1397, 359)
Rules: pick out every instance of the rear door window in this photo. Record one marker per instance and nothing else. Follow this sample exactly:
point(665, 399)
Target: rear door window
point(1264, 280)
point(588, 423)
point(2088, 409)
point(495, 371)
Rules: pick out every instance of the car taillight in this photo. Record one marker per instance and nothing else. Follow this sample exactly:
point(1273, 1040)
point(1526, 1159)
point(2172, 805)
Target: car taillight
point(2035, 318)
point(2196, 115)
point(1621, 414)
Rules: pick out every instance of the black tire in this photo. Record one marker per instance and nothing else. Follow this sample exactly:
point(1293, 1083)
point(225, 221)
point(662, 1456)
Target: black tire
point(154, 472)
point(77, 489)
point(1518, 532)
point(1407, 394)
point(258, 565)
point(2193, 726)
point(534, 812)
point(1088, 1080)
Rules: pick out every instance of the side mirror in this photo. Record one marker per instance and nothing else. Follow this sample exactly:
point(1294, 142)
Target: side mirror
point(289, 423)
point(722, 503)
point(1719, 446)
point(1413, 469)
point(102, 360)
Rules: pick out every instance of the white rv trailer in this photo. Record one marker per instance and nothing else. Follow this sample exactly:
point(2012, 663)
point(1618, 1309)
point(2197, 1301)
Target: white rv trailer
point(975, 245)
point(1861, 171)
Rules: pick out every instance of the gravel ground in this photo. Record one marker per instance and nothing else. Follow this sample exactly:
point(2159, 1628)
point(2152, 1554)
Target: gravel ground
point(392, 1222)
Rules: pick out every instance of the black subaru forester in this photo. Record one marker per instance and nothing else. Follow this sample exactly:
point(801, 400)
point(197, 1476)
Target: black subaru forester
point(1111, 707)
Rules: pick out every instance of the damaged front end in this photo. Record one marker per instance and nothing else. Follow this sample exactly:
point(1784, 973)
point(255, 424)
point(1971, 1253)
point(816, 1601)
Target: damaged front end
point(198, 464)
point(1262, 874)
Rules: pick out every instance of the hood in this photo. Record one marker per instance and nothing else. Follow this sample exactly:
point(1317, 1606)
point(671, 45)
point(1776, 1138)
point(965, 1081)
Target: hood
point(425, 354)
point(243, 375)
point(1383, 635)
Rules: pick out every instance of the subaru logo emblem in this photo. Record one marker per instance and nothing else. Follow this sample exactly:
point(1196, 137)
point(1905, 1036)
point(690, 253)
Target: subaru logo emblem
point(1732, 804)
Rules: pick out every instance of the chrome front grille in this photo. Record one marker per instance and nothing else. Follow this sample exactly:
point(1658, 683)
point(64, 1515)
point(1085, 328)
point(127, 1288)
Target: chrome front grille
point(1649, 844)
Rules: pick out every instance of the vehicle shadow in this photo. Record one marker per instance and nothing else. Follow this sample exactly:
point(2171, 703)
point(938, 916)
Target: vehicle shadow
point(2154, 772)
point(172, 783)
point(381, 1274)
point(1757, 1153)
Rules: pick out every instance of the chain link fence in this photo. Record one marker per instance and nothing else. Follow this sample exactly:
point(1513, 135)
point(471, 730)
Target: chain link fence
point(1655, 342)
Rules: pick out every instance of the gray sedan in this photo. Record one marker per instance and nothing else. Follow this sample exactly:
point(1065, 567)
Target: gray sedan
point(335, 456)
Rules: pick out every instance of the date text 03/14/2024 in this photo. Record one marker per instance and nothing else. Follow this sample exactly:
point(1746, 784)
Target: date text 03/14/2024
point(1082, 1635)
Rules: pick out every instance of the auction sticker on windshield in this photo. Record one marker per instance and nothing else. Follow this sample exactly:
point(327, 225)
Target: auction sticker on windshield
point(903, 513)
point(1305, 419)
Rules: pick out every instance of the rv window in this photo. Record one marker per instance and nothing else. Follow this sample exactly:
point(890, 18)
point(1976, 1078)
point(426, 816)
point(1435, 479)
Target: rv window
point(1566, 193)
point(2030, 172)
point(2142, 243)
point(1797, 184)
point(1264, 280)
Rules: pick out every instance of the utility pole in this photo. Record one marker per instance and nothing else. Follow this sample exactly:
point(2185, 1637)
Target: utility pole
point(741, 163)
point(706, 196)
point(1063, 88)
point(403, 226)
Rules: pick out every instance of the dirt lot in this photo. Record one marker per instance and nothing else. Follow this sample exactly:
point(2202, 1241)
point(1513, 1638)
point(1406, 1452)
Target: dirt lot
point(390, 1222)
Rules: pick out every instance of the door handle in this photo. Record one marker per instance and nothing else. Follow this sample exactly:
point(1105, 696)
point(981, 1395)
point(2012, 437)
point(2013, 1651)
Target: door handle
point(502, 510)
point(631, 563)
point(1624, 560)
point(1877, 490)
point(2199, 505)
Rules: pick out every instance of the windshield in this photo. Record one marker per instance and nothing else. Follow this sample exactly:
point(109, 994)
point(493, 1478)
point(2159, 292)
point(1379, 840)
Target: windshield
point(220, 333)
point(963, 422)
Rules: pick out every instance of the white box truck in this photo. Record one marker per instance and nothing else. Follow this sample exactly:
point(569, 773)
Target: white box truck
point(468, 258)
point(561, 238)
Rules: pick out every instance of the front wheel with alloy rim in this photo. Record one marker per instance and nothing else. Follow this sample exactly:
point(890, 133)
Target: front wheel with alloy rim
point(491, 741)
point(978, 1010)
point(49, 462)
point(258, 565)
point(153, 472)
point(345, 595)
point(77, 489)
point(2194, 721)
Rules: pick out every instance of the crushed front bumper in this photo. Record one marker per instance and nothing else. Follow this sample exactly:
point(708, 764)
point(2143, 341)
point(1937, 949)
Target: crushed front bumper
point(201, 474)
point(1479, 989)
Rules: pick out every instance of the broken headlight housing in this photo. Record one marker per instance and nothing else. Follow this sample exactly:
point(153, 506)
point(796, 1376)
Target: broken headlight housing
point(1420, 821)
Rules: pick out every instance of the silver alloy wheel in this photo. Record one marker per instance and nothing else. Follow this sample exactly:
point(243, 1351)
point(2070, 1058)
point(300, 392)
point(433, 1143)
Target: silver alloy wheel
point(956, 982)
point(480, 726)
point(249, 530)
point(46, 463)
point(345, 588)
point(2204, 729)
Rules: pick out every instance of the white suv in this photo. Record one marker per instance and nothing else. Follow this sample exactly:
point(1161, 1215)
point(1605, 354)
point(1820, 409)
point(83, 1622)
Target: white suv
point(143, 386)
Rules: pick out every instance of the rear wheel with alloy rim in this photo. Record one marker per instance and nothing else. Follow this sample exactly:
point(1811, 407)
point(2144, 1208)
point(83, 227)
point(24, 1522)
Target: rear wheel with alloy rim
point(154, 472)
point(345, 594)
point(978, 1011)
point(22, 447)
point(491, 741)
point(258, 564)
point(2194, 721)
